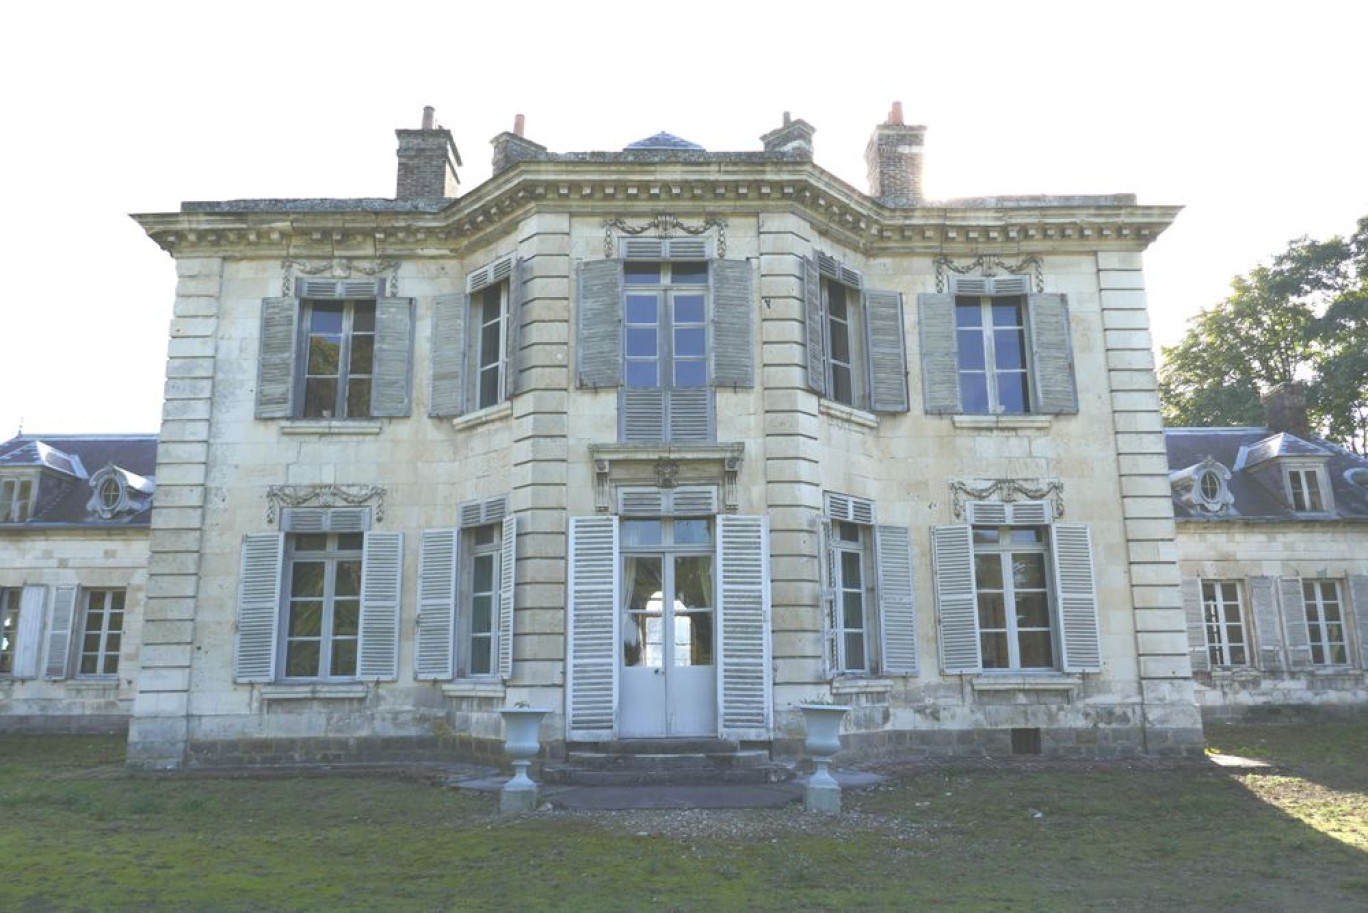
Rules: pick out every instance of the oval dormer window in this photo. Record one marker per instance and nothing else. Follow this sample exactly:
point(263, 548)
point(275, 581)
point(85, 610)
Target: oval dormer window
point(1211, 486)
point(111, 493)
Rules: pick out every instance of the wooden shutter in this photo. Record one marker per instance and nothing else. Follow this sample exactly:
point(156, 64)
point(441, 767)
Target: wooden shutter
point(816, 327)
point(1052, 367)
point(1293, 602)
point(325, 519)
point(939, 353)
point(382, 566)
point(1263, 603)
point(449, 315)
point(600, 323)
point(1079, 635)
point(897, 609)
point(393, 357)
point(689, 415)
point(1358, 598)
point(886, 351)
point(435, 636)
point(693, 501)
point(517, 283)
point(952, 560)
point(743, 607)
point(733, 324)
point(592, 653)
point(848, 508)
point(60, 632)
point(831, 654)
point(641, 502)
point(508, 579)
point(29, 631)
point(275, 363)
point(641, 415)
point(258, 608)
point(1196, 624)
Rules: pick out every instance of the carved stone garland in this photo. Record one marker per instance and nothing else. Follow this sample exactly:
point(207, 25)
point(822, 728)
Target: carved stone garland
point(279, 497)
point(340, 268)
point(1007, 490)
point(989, 265)
point(664, 226)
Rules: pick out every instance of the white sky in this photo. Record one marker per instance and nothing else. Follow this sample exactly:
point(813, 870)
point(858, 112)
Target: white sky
point(1249, 114)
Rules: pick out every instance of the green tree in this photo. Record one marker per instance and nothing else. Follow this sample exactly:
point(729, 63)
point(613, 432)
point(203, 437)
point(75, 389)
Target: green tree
point(1302, 317)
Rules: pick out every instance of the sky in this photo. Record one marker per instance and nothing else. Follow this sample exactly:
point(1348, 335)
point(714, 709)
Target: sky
point(1247, 114)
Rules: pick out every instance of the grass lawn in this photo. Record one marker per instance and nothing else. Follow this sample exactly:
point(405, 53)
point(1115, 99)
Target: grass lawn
point(78, 833)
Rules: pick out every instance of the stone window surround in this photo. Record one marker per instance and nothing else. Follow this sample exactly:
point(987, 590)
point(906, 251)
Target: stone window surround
point(671, 465)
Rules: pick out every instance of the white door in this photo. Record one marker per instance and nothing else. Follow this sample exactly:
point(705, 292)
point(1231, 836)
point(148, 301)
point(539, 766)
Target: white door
point(668, 684)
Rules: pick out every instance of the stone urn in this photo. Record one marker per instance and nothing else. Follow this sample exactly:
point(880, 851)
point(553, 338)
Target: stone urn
point(522, 742)
point(823, 739)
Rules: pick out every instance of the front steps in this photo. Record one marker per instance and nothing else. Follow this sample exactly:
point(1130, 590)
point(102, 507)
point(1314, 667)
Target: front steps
point(665, 762)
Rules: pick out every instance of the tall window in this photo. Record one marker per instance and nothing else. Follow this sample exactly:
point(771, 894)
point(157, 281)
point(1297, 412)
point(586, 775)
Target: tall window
point(16, 500)
point(489, 310)
point(844, 334)
point(1325, 622)
point(9, 628)
point(1225, 630)
point(102, 633)
point(323, 605)
point(666, 324)
point(990, 335)
point(479, 625)
point(853, 589)
point(1011, 577)
point(1304, 486)
point(340, 347)
point(668, 586)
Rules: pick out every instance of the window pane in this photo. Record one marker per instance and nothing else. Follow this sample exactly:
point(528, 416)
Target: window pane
point(484, 573)
point(688, 273)
point(692, 532)
point(992, 613)
point(346, 618)
point(688, 309)
point(693, 639)
point(480, 650)
point(362, 349)
point(842, 389)
point(693, 582)
point(641, 341)
point(363, 317)
point(1012, 392)
point(88, 664)
point(973, 392)
point(642, 374)
point(486, 535)
point(852, 611)
point(642, 532)
point(643, 584)
point(691, 341)
point(113, 643)
point(1006, 313)
point(970, 345)
point(1338, 656)
point(358, 397)
point(850, 570)
point(91, 642)
point(326, 318)
point(325, 354)
point(968, 313)
point(1033, 610)
point(854, 651)
point(840, 341)
point(836, 302)
point(641, 309)
point(691, 373)
point(1036, 650)
point(1009, 349)
point(306, 619)
point(847, 532)
point(1026, 535)
point(481, 614)
point(636, 272)
point(350, 542)
point(1232, 613)
point(986, 535)
point(111, 662)
point(344, 658)
point(301, 658)
point(489, 387)
point(988, 572)
point(320, 397)
point(491, 303)
point(1028, 571)
point(995, 655)
point(491, 343)
point(306, 579)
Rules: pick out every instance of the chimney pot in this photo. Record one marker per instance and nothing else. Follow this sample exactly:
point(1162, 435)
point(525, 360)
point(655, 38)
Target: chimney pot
point(519, 124)
point(895, 116)
point(1285, 409)
point(788, 119)
point(429, 114)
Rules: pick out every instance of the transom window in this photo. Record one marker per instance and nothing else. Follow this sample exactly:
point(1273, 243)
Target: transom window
point(9, 628)
point(990, 335)
point(669, 591)
point(480, 630)
point(340, 346)
point(853, 586)
point(1224, 617)
point(1011, 578)
point(16, 500)
point(1325, 623)
point(102, 634)
point(666, 328)
point(323, 605)
point(1304, 486)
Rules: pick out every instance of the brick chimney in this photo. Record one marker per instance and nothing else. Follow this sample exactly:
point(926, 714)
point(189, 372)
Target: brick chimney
point(894, 158)
point(1285, 409)
point(511, 148)
point(794, 137)
point(427, 162)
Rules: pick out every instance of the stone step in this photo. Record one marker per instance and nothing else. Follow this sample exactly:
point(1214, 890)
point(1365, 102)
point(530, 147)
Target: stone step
point(672, 760)
point(658, 746)
point(565, 774)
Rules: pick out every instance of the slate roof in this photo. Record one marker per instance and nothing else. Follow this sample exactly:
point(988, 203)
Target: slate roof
point(64, 492)
point(664, 140)
point(1255, 498)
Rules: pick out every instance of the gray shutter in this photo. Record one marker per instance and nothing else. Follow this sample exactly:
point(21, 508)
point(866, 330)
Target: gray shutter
point(939, 353)
point(641, 415)
point(733, 324)
point(449, 315)
point(831, 654)
point(60, 632)
point(689, 412)
point(508, 579)
point(816, 327)
point(592, 653)
point(29, 632)
point(897, 609)
point(382, 566)
point(1051, 355)
point(1080, 637)
point(258, 608)
point(1196, 624)
point(275, 364)
point(693, 501)
point(393, 357)
point(952, 561)
point(886, 351)
point(438, 564)
point(1358, 598)
point(600, 323)
point(641, 502)
point(743, 607)
point(1293, 602)
point(513, 327)
point(1264, 611)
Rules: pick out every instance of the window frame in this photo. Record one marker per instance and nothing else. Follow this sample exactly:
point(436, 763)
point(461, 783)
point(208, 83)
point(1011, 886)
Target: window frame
point(115, 602)
point(860, 548)
point(666, 355)
point(17, 495)
point(1219, 647)
point(331, 556)
point(1318, 626)
point(1005, 549)
point(1313, 492)
point(857, 364)
point(10, 606)
point(988, 336)
point(472, 551)
point(344, 376)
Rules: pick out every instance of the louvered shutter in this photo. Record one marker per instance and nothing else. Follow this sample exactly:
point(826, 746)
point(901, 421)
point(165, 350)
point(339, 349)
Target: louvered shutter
point(816, 327)
point(641, 502)
point(600, 323)
point(1263, 602)
point(1196, 624)
point(693, 501)
point(641, 415)
point(987, 513)
point(508, 579)
point(743, 605)
point(438, 563)
point(393, 357)
point(325, 519)
point(275, 364)
point(382, 566)
point(348, 519)
point(258, 608)
point(1293, 602)
point(592, 653)
point(1080, 635)
point(60, 632)
point(689, 415)
point(897, 609)
point(449, 315)
point(1358, 596)
point(1052, 368)
point(886, 351)
point(517, 284)
point(952, 559)
point(827, 582)
point(28, 635)
point(848, 508)
point(733, 324)
point(939, 353)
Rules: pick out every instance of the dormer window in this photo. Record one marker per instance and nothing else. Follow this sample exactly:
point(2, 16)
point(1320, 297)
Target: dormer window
point(1203, 486)
point(1304, 491)
point(16, 500)
point(1211, 486)
point(111, 493)
point(115, 492)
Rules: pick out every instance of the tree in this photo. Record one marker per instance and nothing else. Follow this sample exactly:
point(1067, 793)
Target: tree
point(1302, 317)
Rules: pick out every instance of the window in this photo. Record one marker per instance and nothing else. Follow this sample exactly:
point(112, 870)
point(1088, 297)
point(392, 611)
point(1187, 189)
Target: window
point(1011, 578)
point(16, 500)
point(1225, 627)
point(475, 340)
point(668, 590)
point(489, 307)
point(1325, 623)
point(479, 634)
point(1304, 491)
point(990, 337)
point(111, 493)
point(1212, 486)
point(856, 351)
point(852, 592)
point(101, 633)
point(322, 605)
point(843, 334)
point(9, 628)
point(339, 347)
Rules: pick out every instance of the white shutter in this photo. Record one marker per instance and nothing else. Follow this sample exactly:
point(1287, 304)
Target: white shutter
point(592, 652)
point(690, 415)
point(325, 519)
point(1196, 624)
point(1263, 602)
point(986, 513)
point(382, 566)
point(393, 357)
point(508, 579)
point(641, 502)
point(1358, 597)
point(60, 632)
point(952, 559)
point(275, 364)
point(686, 249)
point(641, 414)
point(643, 249)
point(1080, 636)
point(1051, 355)
point(449, 314)
point(743, 606)
point(1293, 601)
point(897, 609)
point(1029, 513)
point(600, 323)
point(29, 631)
point(885, 351)
point(939, 353)
point(733, 324)
point(258, 608)
point(349, 519)
point(438, 564)
point(693, 501)
point(816, 327)
point(849, 508)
